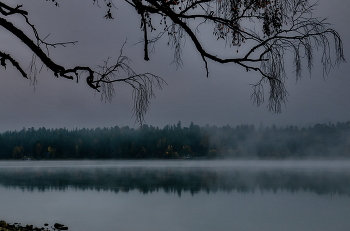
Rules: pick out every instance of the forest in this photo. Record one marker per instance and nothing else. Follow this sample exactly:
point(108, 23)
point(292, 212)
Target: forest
point(175, 141)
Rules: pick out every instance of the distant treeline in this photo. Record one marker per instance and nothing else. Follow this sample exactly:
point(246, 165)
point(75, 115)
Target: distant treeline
point(175, 141)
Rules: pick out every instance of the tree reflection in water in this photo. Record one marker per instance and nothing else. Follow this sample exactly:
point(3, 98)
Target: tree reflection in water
point(176, 179)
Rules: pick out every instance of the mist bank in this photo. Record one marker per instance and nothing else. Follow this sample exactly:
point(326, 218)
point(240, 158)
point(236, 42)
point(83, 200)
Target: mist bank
point(176, 141)
point(319, 177)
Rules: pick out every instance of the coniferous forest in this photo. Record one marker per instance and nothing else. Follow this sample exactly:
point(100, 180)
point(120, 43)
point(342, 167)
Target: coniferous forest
point(175, 141)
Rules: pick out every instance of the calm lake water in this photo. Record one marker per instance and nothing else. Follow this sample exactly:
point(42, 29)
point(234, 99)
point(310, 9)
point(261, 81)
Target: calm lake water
point(178, 195)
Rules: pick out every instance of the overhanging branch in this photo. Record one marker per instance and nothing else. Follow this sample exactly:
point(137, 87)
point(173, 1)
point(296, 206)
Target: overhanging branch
point(277, 27)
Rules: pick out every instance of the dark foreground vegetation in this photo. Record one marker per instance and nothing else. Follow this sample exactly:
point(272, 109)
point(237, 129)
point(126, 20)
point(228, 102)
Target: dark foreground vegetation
point(175, 141)
point(4, 226)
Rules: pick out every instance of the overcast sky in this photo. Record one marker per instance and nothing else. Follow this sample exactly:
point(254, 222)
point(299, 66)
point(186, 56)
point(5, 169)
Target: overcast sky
point(221, 99)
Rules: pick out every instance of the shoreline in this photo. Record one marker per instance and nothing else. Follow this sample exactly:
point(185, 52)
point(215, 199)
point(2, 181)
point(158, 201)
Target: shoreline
point(4, 226)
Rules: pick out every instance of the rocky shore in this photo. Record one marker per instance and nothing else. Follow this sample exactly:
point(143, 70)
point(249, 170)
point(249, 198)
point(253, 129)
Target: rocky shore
point(4, 226)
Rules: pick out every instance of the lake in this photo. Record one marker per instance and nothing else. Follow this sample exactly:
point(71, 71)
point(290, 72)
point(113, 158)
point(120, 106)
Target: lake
point(176, 195)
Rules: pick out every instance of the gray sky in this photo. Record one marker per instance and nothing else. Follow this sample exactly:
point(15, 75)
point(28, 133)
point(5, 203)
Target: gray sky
point(223, 98)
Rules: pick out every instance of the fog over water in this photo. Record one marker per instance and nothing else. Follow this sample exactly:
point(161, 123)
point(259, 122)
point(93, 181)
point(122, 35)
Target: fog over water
point(178, 195)
point(171, 195)
point(320, 177)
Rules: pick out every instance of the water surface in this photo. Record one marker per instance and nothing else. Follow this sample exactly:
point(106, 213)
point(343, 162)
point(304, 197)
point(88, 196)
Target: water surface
point(178, 195)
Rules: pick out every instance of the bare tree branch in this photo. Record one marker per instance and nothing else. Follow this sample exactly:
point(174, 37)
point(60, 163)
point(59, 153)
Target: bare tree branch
point(270, 28)
point(101, 79)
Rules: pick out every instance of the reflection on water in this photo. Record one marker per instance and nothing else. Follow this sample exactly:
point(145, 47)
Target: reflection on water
point(321, 177)
point(226, 195)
